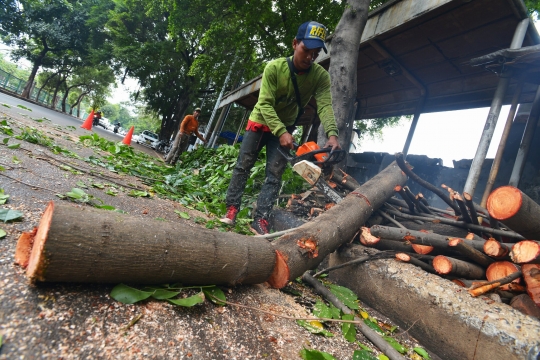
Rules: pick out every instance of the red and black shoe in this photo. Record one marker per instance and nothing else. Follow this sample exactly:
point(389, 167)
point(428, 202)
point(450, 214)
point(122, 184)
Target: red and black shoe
point(230, 216)
point(259, 227)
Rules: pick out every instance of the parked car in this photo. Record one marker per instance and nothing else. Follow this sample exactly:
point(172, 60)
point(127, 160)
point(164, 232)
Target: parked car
point(147, 138)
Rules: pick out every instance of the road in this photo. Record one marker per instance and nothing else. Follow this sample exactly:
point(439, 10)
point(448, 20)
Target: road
point(61, 119)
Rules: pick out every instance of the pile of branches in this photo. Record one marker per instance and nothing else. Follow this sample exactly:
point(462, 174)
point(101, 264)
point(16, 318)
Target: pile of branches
point(487, 250)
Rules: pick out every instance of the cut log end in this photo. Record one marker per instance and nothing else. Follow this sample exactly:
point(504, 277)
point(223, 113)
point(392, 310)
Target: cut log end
point(403, 257)
point(502, 269)
point(531, 274)
point(367, 239)
point(454, 241)
point(495, 249)
point(281, 273)
point(504, 202)
point(37, 261)
point(422, 249)
point(442, 264)
point(525, 252)
point(24, 247)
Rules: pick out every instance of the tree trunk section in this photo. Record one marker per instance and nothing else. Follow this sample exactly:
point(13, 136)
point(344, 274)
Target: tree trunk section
point(82, 244)
point(531, 274)
point(419, 237)
point(496, 249)
point(526, 251)
point(336, 226)
point(516, 210)
point(343, 67)
point(525, 304)
point(447, 266)
point(28, 87)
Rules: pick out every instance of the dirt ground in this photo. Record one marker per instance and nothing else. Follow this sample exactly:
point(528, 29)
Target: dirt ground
point(74, 321)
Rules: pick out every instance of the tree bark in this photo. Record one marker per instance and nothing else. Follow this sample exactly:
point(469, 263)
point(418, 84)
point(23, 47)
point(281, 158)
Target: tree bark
point(501, 283)
point(515, 209)
point(525, 304)
point(81, 244)
point(470, 252)
point(438, 228)
point(447, 266)
point(343, 67)
point(39, 60)
point(407, 258)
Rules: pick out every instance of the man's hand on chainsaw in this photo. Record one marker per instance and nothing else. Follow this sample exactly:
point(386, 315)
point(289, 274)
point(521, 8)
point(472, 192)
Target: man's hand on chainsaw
point(286, 140)
point(333, 142)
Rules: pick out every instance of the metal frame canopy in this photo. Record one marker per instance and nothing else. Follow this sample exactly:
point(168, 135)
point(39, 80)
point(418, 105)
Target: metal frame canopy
point(415, 55)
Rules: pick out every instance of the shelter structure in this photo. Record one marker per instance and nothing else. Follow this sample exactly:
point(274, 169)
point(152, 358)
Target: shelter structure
point(415, 57)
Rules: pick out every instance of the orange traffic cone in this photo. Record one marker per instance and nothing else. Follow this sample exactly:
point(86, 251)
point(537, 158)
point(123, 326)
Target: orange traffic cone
point(87, 124)
point(127, 138)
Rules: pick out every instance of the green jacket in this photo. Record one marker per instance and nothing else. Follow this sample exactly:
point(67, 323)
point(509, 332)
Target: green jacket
point(277, 106)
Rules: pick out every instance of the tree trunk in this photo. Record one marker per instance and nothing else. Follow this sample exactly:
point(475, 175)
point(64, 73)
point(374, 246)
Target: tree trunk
point(26, 92)
point(447, 266)
point(344, 54)
point(55, 98)
point(525, 304)
point(44, 84)
point(80, 244)
point(516, 210)
point(77, 103)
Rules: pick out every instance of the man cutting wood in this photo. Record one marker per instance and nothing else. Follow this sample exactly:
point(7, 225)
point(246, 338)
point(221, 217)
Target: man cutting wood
point(287, 86)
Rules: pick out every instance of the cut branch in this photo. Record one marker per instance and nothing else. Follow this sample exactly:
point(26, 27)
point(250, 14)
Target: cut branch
point(526, 251)
point(445, 265)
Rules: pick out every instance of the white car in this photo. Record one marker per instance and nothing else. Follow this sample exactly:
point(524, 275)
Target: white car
point(147, 138)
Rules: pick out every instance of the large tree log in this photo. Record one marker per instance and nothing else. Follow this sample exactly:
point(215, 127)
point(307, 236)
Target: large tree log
point(515, 209)
point(525, 304)
point(502, 269)
point(335, 226)
point(82, 244)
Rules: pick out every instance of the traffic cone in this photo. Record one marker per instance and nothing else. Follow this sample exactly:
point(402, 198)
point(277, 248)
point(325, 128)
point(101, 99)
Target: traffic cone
point(127, 138)
point(87, 124)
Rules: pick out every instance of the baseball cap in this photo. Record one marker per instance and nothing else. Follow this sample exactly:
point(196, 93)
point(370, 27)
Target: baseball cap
point(197, 109)
point(313, 35)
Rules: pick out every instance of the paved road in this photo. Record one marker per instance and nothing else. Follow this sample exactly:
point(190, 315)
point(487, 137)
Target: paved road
point(39, 112)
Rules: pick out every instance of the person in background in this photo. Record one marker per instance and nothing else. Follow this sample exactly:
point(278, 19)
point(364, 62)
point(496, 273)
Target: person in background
point(190, 125)
point(277, 109)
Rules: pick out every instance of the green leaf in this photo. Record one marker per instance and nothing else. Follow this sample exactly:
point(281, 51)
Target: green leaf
point(3, 197)
point(9, 215)
point(2, 233)
point(5, 141)
point(128, 295)
point(183, 215)
point(98, 185)
point(162, 294)
point(373, 326)
point(15, 160)
point(312, 354)
point(321, 310)
point(423, 353)
point(383, 357)
point(309, 326)
point(347, 296)
point(189, 301)
point(104, 207)
point(81, 184)
point(400, 348)
point(137, 193)
point(363, 355)
point(14, 146)
point(215, 295)
point(363, 346)
point(348, 329)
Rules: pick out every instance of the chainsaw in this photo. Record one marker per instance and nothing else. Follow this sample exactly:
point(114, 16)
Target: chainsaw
point(311, 162)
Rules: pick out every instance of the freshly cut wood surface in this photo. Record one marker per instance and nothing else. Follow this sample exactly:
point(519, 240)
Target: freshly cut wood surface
point(516, 210)
point(24, 247)
point(526, 251)
point(531, 274)
point(366, 238)
point(422, 249)
point(496, 249)
point(502, 269)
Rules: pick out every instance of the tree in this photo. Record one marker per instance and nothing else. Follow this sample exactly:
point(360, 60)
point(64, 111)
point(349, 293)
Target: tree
point(37, 28)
